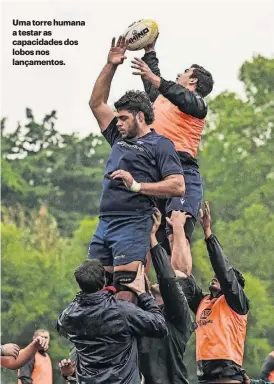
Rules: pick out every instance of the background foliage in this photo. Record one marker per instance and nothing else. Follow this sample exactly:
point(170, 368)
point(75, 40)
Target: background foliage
point(51, 185)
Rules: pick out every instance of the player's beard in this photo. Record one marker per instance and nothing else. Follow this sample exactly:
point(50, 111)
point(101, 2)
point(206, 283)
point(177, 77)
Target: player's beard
point(133, 130)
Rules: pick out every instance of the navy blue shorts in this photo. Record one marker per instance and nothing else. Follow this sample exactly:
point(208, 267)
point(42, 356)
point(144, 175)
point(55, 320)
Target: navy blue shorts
point(120, 240)
point(190, 203)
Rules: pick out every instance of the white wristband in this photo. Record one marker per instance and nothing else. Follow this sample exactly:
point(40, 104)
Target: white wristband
point(135, 187)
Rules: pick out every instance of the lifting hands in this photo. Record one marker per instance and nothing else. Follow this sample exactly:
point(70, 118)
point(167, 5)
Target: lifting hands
point(116, 55)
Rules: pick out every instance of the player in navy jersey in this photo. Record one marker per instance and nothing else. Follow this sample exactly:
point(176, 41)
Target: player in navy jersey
point(141, 166)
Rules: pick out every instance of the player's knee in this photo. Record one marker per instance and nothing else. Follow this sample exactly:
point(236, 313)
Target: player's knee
point(123, 277)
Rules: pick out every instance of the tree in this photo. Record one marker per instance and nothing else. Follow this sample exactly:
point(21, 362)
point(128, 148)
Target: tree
point(62, 172)
point(37, 278)
point(236, 161)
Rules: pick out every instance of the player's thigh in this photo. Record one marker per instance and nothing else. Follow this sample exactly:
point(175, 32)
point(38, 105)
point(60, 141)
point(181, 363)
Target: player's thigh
point(129, 239)
point(98, 248)
point(189, 203)
point(194, 191)
point(192, 199)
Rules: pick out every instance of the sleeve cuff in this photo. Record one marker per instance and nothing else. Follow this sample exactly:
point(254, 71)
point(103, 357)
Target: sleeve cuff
point(149, 54)
point(154, 249)
point(163, 85)
point(143, 296)
point(145, 299)
point(211, 237)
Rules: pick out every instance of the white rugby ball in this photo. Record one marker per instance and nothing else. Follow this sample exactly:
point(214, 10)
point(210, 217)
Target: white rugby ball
point(141, 33)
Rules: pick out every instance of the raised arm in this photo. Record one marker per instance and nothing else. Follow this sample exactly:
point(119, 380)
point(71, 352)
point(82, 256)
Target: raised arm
point(176, 306)
point(186, 100)
point(99, 97)
point(152, 61)
point(147, 320)
point(24, 355)
point(233, 291)
point(181, 259)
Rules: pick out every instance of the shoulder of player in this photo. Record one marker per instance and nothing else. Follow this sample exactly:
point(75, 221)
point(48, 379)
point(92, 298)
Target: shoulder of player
point(201, 99)
point(161, 140)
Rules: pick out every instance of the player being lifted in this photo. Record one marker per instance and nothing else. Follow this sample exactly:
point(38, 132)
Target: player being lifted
point(142, 164)
point(180, 111)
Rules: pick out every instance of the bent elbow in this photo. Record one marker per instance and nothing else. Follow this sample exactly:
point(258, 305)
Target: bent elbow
point(187, 271)
point(92, 104)
point(179, 187)
point(181, 270)
point(160, 328)
point(15, 368)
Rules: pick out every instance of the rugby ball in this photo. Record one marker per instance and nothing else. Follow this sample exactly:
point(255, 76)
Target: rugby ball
point(141, 33)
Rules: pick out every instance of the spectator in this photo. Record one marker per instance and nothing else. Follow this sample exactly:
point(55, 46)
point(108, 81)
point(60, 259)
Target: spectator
point(13, 358)
point(38, 370)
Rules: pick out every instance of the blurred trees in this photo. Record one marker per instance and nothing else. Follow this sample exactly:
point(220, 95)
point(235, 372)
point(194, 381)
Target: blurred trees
point(42, 166)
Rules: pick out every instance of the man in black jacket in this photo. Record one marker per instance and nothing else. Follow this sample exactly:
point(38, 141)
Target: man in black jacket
point(161, 360)
point(221, 316)
point(180, 110)
point(104, 330)
point(268, 367)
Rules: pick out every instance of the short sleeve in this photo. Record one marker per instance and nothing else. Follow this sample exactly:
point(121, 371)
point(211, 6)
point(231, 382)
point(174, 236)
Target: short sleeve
point(167, 158)
point(111, 133)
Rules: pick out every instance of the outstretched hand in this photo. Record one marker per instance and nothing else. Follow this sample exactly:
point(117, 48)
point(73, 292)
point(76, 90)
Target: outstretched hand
point(205, 219)
point(151, 47)
point(117, 51)
point(156, 221)
point(143, 69)
point(177, 219)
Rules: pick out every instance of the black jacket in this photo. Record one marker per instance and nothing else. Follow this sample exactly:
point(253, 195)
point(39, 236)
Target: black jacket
point(187, 101)
point(268, 367)
point(235, 297)
point(104, 332)
point(161, 360)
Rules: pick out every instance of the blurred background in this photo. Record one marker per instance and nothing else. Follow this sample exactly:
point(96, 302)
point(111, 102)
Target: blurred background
point(51, 176)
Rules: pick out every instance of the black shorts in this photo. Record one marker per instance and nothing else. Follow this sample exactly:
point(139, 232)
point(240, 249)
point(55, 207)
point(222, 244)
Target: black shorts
point(190, 203)
point(120, 240)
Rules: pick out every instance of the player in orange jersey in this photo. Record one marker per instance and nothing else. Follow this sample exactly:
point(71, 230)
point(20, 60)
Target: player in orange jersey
point(180, 111)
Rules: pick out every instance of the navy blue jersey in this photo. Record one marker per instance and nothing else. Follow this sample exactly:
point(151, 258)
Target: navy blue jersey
point(149, 159)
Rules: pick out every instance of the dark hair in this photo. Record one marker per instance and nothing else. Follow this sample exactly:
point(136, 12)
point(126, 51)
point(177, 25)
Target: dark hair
point(134, 102)
point(240, 278)
point(90, 276)
point(205, 80)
